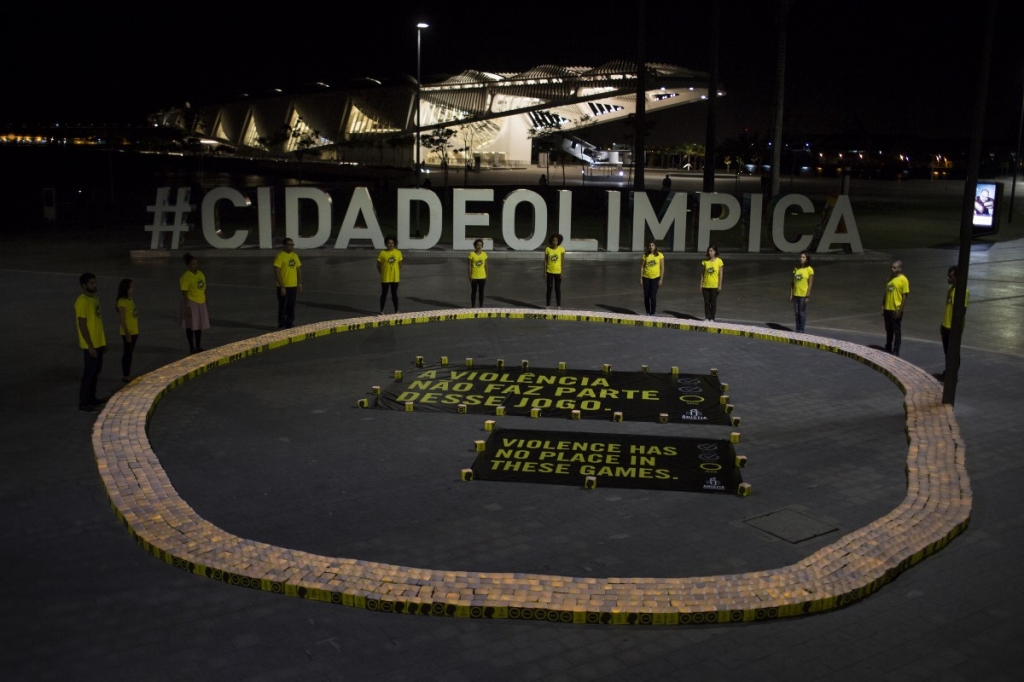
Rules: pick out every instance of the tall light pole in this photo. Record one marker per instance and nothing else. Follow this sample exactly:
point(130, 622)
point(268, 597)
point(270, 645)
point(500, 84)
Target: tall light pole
point(419, 30)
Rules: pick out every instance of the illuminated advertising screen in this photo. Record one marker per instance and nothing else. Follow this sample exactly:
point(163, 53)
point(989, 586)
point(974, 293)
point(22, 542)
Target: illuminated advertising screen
point(987, 197)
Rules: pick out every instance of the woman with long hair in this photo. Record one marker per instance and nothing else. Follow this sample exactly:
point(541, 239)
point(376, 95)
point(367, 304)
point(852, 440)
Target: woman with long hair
point(711, 277)
point(652, 276)
point(128, 319)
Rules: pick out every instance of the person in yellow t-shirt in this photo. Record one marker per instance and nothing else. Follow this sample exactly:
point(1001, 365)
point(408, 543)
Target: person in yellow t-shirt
point(128, 322)
point(477, 273)
point(947, 315)
point(195, 316)
point(92, 340)
point(288, 276)
point(897, 289)
point(800, 290)
point(389, 265)
point(554, 262)
point(652, 276)
point(712, 274)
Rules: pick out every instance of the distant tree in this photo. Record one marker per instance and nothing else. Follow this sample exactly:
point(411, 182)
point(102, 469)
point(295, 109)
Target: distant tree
point(439, 142)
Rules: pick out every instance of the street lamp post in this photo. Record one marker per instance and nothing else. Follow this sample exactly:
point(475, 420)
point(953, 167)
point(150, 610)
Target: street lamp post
point(419, 30)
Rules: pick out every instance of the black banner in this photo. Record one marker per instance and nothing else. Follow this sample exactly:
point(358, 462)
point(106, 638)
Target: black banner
point(613, 461)
point(586, 394)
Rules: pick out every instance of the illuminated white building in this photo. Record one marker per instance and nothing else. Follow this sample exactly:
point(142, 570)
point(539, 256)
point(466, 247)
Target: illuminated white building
point(495, 117)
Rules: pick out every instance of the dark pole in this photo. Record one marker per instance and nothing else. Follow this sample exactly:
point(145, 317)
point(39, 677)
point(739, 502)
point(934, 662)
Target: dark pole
point(1016, 160)
point(967, 210)
point(780, 88)
point(640, 118)
point(709, 133)
point(419, 30)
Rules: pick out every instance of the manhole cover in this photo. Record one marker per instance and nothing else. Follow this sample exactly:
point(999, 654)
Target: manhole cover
point(790, 525)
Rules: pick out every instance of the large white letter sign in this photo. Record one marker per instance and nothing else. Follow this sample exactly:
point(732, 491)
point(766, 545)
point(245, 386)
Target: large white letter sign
point(754, 223)
point(842, 211)
point(461, 219)
point(322, 201)
point(565, 225)
point(508, 220)
point(613, 220)
point(265, 211)
point(779, 223)
point(407, 195)
point(209, 214)
point(673, 213)
point(707, 224)
point(360, 204)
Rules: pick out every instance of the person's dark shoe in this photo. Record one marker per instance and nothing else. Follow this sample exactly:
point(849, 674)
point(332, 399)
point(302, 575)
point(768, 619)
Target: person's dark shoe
point(200, 350)
point(126, 379)
point(88, 408)
point(100, 401)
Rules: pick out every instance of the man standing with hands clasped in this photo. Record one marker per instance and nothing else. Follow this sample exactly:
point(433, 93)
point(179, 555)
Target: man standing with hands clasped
point(92, 340)
point(288, 271)
point(896, 291)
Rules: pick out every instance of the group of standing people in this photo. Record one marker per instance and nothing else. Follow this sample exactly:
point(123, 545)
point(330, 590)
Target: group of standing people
point(195, 316)
point(92, 339)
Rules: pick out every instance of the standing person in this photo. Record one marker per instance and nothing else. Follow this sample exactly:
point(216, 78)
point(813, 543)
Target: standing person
point(652, 276)
point(195, 317)
point(947, 317)
point(92, 340)
point(477, 273)
point(800, 290)
point(896, 291)
point(712, 274)
point(554, 260)
point(128, 319)
point(389, 265)
point(288, 272)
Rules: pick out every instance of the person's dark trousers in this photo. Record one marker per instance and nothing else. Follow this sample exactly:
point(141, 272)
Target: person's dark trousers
point(477, 289)
point(650, 295)
point(393, 287)
point(90, 375)
point(893, 331)
point(710, 303)
point(286, 307)
point(800, 312)
point(126, 355)
point(555, 282)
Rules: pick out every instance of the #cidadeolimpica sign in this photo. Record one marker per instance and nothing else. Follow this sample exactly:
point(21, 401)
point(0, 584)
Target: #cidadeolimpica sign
point(583, 394)
point(610, 460)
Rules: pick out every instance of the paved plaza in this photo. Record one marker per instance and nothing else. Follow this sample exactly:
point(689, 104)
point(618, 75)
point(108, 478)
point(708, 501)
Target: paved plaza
point(272, 449)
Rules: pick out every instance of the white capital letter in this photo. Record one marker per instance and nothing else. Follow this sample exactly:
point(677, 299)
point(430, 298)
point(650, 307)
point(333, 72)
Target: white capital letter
point(461, 219)
point(779, 223)
point(407, 195)
point(322, 201)
point(841, 213)
point(211, 230)
point(359, 204)
point(508, 220)
point(672, 213)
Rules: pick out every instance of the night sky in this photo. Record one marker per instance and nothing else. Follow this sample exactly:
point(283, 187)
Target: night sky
point(886, 68)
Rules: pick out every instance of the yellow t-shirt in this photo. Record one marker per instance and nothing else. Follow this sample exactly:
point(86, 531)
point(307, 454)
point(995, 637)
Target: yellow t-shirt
point(801, 280)
point(947, 317)
point(711, 269)
point(478, 265)
point(652, 265)
point(194, 283)
point(554, 258)
point(390, 265)
point(288, 264)
point(88, 308)
point(895, 290)
point(131, 317)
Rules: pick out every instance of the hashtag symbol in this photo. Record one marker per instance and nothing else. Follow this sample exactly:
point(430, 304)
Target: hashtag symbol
point(164, 211)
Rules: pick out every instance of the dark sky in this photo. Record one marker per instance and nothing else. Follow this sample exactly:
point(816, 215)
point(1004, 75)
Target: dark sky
point(891, 67)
